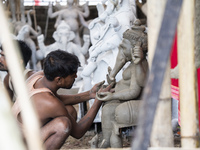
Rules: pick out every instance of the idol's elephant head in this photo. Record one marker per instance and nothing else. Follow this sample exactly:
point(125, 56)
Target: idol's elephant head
point(63, 33)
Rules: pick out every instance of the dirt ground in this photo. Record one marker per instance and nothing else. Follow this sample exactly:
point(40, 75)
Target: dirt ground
point(83, 143)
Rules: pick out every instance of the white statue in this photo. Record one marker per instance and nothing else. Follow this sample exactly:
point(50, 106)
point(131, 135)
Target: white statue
point(26, 33)
point(123, 10)
point(102, 53)
point(106, 35)
point(15, 13)
point(73, 16)
point(63, 40)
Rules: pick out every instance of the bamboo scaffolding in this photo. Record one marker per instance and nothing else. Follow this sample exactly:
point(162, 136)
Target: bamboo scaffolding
point(187, 75)
point(150, 148)
point(30, 121)
point(161, 135)
point(8, 127)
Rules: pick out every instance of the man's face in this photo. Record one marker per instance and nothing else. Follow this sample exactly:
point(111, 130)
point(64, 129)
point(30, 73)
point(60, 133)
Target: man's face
point(3, 64)
point(69, 81)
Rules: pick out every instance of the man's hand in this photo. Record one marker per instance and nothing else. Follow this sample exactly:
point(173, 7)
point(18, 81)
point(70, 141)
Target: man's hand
point(105, 94)
point(95, 88)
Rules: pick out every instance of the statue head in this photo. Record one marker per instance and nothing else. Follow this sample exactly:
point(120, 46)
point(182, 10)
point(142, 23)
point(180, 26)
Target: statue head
point(138, 39)
point(63, 33)
point(24, 30)
point(137, 34)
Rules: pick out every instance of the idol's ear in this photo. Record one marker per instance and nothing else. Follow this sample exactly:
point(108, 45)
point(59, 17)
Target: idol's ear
point(55, 36)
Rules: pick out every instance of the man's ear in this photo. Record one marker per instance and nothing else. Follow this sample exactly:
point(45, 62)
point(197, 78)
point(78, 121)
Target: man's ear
point(58, 80)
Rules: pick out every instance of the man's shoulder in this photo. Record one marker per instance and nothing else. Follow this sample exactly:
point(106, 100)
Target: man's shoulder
point(34, 74)
point(46, 98)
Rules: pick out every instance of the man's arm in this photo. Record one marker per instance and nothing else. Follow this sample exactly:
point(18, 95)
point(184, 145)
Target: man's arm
point(81, 97)
point(54, 108)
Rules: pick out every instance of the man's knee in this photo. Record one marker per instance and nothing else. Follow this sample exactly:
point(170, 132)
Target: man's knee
point(63, 125)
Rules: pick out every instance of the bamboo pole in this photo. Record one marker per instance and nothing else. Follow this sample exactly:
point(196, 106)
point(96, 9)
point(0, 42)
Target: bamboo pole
point(10, 138)
point(161, 135)
point(187, 75)
point(30, 122)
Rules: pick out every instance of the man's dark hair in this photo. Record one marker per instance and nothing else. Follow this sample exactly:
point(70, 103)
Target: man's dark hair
point(60, 64)
point(24, 50)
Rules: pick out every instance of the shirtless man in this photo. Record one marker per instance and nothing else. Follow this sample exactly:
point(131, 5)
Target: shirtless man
point(56, 113)
point(26, 55)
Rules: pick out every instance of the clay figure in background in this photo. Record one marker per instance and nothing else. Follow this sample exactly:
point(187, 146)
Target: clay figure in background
point(122, 107)
point(17, 25)
point(101, 55)
point(63, 37)
point(73, 16)
point(14, 12)
point(123, 10)
point(26, 33)
point(106, 34)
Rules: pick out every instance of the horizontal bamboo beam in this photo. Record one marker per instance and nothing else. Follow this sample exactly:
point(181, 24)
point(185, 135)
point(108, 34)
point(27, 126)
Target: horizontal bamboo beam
point(150, 148)
point(172, 148)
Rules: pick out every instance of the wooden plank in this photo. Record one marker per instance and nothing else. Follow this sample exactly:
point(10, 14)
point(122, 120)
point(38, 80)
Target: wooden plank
point(187, 74)
point(159, 64)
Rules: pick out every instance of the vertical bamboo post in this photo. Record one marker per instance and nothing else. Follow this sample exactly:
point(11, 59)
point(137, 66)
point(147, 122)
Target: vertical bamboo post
point(187, 75)
point(161, 135)
point(30, 122)
point(10, 136)
point(197, 34)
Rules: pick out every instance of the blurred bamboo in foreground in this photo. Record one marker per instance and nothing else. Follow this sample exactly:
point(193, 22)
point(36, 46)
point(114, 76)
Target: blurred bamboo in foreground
point(30, 121)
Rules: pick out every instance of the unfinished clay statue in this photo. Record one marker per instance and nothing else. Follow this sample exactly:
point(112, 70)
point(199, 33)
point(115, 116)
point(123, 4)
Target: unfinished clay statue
point(63, 37)
point(122, 107)
point(72, 16)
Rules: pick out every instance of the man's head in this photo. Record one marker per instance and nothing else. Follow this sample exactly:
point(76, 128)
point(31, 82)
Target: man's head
point(25, 53)
point(60, 64)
